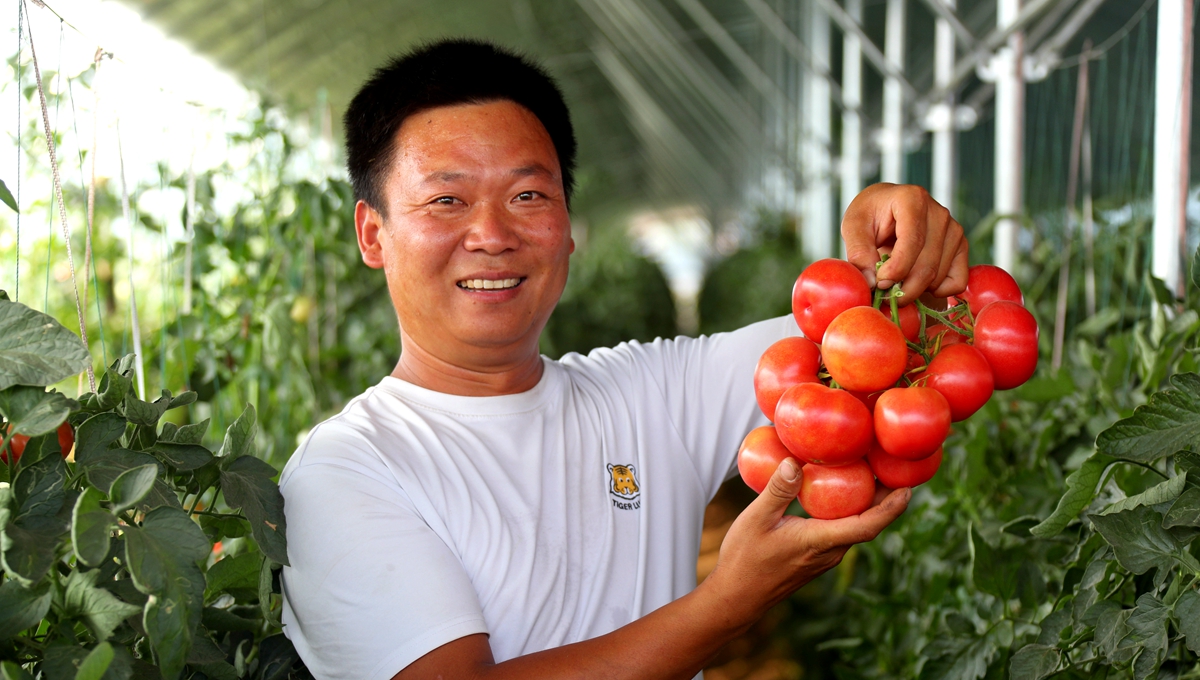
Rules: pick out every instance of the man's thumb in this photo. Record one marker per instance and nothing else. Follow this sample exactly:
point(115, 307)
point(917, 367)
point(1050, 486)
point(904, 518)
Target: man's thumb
point(781, 490)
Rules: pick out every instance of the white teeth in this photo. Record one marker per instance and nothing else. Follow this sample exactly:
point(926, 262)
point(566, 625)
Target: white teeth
point(488, 284)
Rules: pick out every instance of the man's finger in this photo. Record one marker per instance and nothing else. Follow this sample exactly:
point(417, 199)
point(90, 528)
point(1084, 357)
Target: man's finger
point(858, 233)
point(956, 281)
point(950, 247)
point(859, 528)
point(911, 235)
point(923, 274)
point(779, 494)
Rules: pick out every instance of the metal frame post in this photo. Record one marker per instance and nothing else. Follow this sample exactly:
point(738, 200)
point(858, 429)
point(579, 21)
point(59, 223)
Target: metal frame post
point(818, 203)
point(1172, 118)
point(892, 142)
point(851, 166)
point(1010, 137)
point(944, 162)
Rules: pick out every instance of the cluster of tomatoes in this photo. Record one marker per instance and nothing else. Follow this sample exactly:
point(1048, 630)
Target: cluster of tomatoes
point(66, 442)
point(875, 399)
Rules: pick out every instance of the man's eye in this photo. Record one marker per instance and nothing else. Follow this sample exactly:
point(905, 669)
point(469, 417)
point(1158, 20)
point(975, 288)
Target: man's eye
point(445, 200)
point(526, 196)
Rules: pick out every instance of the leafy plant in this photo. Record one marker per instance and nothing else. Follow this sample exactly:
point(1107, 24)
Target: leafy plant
point(144, 555)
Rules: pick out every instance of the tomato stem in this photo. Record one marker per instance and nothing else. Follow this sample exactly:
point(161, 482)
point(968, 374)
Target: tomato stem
point(945, 320)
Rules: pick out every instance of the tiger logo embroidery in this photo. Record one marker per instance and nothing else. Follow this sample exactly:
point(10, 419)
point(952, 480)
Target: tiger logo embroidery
point(623, 487)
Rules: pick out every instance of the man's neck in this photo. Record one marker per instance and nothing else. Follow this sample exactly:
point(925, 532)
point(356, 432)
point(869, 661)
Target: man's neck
point(424, 369)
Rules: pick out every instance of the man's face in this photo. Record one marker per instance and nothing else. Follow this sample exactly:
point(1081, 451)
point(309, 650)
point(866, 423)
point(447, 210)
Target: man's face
point(475, 236)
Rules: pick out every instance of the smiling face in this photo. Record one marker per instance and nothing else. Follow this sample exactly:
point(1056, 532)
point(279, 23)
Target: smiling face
point(474, 235)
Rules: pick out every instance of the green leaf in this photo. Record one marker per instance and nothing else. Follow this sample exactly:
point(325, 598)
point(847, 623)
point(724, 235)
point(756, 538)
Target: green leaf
point(91, 528)
point(1195, 267)
point(33, 411)
point(96, 663)
point(1185, 511)
point(140, 412)
point(97, 434)
point(30, 539)
point(65, 661)
point(1047, 388)
point(218, 528)
point(1163, 492)
point(222, 620)
point(9, 670)
point(22, 608)
point(995, 573)
point(1111, 628)
point(1187, 612)
point(162, 556)
point(98, 608)
point(182, 400)
point(204, 650)
point(7, 198)
point(240, 572)
point(1148, 624)
point(239, 437)
point(131, 486)
point(248, 486)
point(1139, 540)
point(35, 349)
point(115, 383)
point(1169, 422)
point(1081, 490)
point(1033, 662)
point(182, 457)
point(954, 658)
point(192, 434)
point(104, 468)
point(266, 590)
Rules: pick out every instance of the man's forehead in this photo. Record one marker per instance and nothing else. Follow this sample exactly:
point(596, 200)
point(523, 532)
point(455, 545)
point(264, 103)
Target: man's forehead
point(446, 176)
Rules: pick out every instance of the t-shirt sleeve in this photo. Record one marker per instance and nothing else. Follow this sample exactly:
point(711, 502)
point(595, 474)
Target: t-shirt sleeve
point(708, 386)
point(371, 588)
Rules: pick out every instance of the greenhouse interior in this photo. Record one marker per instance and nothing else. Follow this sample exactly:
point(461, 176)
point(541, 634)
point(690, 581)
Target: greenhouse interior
point(734, 339)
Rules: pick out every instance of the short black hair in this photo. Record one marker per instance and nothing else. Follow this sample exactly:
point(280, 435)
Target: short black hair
point(447, 73)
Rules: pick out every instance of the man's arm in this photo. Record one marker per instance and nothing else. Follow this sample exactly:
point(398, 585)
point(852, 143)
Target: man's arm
point(765, 557)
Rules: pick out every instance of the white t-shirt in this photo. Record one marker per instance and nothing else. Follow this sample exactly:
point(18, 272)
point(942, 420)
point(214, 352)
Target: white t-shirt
point(541, 518)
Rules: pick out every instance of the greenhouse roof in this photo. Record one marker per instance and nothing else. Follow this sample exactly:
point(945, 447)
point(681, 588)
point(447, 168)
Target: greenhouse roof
point(674, 100)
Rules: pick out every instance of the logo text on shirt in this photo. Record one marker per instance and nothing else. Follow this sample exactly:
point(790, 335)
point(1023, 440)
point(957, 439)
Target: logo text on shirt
point(623, 487)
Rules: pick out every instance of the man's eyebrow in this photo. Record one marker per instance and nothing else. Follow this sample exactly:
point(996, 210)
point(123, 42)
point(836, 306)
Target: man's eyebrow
point(444, 177)
point(531, 170)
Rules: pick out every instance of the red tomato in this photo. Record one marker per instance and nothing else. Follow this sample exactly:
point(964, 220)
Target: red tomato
point(911, 422)
point(949, 335)
point(1007, 336)
point(825, 289)
point(910, 321)
point(66, 441)
point(760, 454)
point(867, 398)
point(864, 351)
point(788, 362)
point(988, 283)
point(963, 376)
point(834, 492)
point(819, 424)
point(916, 362)
point(895, 473)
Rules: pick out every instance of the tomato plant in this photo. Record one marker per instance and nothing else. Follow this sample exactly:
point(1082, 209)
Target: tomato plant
point(760, 454)
point(824, 290)
point(836, 491)
point(963, 376)
point(822, 425)
point(787, 362)
point(895, 472)
point(911, 422)
point(1006, 334)
point(864, 350)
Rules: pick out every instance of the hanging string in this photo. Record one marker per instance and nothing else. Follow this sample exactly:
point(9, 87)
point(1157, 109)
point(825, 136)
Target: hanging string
point(189, 228)
point(20, 44)
point(133, 311)
point(50, 223)
point(62, 206)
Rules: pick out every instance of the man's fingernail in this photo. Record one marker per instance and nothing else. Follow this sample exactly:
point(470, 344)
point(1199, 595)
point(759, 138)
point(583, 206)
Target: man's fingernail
point(869, 275)
point(884, 283)
point(907, 495)
point(789, 470)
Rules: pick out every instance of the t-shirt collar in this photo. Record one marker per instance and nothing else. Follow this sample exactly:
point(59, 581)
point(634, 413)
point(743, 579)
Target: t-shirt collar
point(506, 404)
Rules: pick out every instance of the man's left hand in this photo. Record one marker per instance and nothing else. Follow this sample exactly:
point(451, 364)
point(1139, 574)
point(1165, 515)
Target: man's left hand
point(928, 247)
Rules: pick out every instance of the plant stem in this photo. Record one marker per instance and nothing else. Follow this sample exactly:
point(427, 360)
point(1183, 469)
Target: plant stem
point(220, 514)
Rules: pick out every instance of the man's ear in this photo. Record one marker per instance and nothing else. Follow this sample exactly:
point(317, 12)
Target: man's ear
point(368, 224)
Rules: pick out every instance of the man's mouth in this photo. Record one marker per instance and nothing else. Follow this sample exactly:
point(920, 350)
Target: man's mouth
point(490, 284)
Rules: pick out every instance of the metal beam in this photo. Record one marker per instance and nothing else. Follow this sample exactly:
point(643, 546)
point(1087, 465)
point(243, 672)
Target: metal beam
point(1010, 138)
point(818, 239)
point(881, 63)
point(1172, 123)
point(943, 160)
point(945, 11)
point(732, 51)
point(851, 167)
point(892, 141)
point(776, 26)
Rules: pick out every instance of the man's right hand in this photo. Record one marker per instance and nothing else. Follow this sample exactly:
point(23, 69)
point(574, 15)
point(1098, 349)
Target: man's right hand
point(768, 555)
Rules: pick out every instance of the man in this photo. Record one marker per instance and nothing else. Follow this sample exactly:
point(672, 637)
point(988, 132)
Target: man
point(484, 512)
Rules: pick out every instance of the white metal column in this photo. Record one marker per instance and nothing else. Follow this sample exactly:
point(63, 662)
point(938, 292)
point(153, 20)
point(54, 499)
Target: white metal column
point(1172, 118)
point(818, 203)
point(944, 159)
point(892, 142)
point(851, 169)
point(1010, 137)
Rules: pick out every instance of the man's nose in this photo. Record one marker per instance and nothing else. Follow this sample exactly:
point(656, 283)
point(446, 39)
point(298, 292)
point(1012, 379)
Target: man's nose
point(492, 230)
